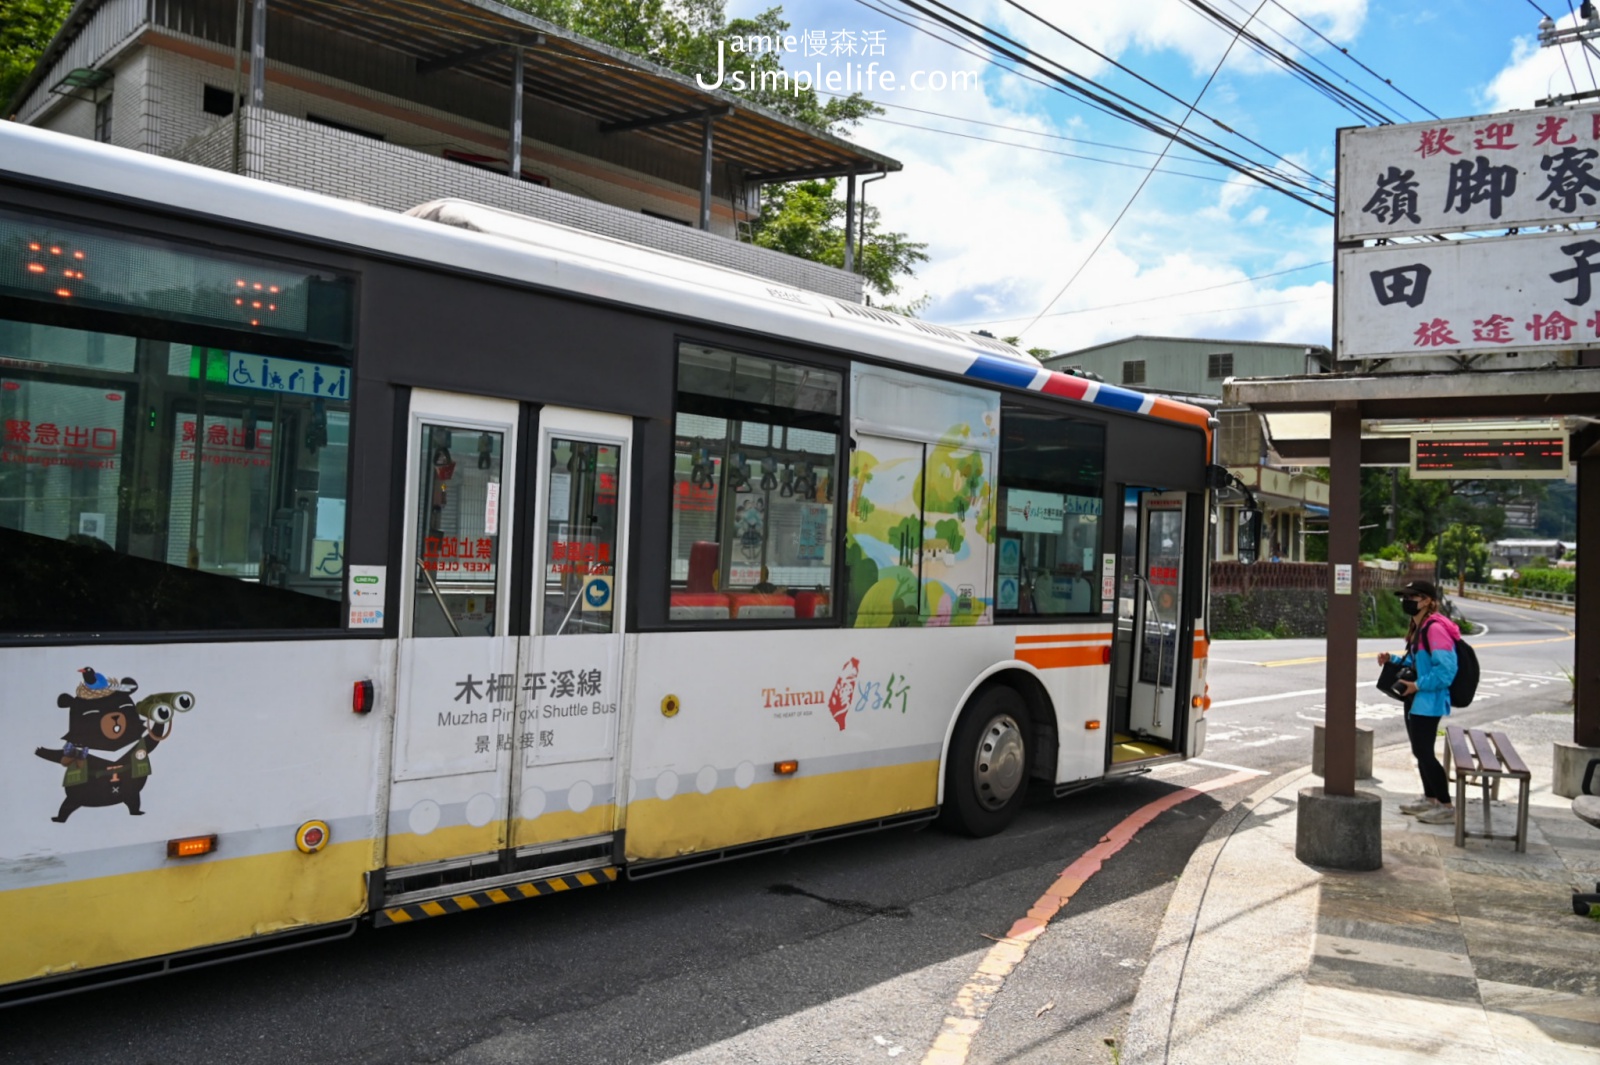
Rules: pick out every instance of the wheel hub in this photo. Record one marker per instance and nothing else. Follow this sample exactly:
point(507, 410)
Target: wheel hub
point(999, 768)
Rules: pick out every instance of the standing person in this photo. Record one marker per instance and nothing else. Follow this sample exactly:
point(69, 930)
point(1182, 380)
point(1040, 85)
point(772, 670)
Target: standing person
point(1431, 653)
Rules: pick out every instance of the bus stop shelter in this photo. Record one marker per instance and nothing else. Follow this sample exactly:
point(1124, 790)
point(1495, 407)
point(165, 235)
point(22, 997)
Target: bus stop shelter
point(1350, 419)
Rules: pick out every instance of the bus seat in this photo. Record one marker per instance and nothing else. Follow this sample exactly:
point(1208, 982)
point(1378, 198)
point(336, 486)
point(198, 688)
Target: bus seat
point(757, 605)
point(812, 605)
point(703, 559)
point(698, 606)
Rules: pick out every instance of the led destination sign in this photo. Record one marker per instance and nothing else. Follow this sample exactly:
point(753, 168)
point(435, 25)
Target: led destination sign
point(72, 265)
point(1478, 456)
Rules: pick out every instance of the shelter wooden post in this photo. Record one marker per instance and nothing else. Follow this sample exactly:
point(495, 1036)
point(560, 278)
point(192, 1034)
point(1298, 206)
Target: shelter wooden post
point(1344, 610)
point(1586, 649)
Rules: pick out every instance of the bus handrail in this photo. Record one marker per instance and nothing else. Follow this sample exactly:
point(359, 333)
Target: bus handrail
point(1161, 642)
point(433, 586)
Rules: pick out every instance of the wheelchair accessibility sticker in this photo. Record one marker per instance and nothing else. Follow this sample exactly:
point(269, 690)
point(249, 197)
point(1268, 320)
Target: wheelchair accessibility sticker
point(597, 594)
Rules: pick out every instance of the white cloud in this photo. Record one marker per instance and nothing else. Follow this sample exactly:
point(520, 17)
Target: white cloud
point(1007, 227)
point(1533, 73)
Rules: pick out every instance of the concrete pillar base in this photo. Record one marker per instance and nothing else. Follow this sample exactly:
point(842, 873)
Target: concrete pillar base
point(1567, 772)
point(1339, 831)
point(1363, 751)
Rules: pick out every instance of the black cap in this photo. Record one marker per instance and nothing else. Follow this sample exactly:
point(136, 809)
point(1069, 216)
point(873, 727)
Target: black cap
point(1423, 588)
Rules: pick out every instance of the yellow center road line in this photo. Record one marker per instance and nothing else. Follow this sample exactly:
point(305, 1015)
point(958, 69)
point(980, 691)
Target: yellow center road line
point(972, 1002)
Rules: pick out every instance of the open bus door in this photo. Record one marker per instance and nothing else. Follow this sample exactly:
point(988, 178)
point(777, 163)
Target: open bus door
point(1152, 655)
point(504, 745)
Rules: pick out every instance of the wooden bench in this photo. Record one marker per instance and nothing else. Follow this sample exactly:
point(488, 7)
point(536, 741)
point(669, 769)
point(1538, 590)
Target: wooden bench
point(1484, 759)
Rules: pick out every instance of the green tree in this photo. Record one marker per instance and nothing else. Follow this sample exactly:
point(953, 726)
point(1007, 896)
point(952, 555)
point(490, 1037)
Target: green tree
point(26, 28)
point(806, 219)
point(1462, 550)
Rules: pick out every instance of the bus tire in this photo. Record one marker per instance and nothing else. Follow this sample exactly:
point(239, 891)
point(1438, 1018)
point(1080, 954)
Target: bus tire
point(986, 775)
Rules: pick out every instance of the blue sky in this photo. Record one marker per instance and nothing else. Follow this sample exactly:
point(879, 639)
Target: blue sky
point(1007, 227)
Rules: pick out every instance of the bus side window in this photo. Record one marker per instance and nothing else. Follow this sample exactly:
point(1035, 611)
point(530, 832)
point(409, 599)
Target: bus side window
point(1052, 484)
point(141, 490)
point(755, 462)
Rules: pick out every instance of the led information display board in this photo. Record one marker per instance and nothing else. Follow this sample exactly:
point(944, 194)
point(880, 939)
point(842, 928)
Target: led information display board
point(1481, 456)
point(72, 265)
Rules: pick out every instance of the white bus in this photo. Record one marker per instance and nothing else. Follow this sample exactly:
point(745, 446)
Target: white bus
point(368, 567)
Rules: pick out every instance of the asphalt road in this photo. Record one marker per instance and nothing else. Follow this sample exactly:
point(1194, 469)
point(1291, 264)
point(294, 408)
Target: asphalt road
point(851, 951)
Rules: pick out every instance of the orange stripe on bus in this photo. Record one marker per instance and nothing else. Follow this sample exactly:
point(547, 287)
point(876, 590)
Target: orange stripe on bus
point(1201, 648)
point(1058, 657)
point(1064, 637)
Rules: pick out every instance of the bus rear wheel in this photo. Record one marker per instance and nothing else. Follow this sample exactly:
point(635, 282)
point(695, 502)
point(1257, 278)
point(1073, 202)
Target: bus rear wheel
point(986, 775)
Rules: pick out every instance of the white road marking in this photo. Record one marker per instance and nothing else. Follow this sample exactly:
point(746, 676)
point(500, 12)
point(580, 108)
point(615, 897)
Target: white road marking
point(1266, 698)
point(1225, 765)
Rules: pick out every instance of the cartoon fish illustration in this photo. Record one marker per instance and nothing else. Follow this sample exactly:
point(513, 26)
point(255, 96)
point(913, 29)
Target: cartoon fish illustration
point(844, 691)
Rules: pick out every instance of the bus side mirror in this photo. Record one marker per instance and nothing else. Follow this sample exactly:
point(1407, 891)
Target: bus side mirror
point(1249, 536)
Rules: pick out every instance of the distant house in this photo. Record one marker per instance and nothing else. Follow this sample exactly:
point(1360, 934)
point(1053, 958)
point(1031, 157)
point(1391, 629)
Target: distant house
point(1294, 502)
point(394, 104)
point(1515, 554)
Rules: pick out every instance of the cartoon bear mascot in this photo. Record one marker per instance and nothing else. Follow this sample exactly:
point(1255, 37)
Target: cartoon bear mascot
point(109, 739)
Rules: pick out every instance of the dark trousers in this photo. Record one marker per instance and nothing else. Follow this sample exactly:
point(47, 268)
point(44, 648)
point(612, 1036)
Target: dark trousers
point(1424, 733)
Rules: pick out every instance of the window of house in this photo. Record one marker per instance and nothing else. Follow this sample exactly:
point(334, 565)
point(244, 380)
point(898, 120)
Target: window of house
point(754, 491)
point(1133, 372)
point(218, 101)
point(102, 119)
point(1219, 365)
point(1051, 521)
point(148, 483)
point(665, 217)
point(333, 123)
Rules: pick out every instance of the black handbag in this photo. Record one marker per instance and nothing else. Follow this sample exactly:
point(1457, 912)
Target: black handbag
point(1391, 674)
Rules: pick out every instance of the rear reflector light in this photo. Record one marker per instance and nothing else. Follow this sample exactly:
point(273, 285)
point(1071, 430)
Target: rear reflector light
point(786, 768)
point(361, 698)
point(191, 847)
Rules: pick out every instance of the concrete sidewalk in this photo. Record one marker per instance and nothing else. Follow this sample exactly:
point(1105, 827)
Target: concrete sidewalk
point(1445, 954)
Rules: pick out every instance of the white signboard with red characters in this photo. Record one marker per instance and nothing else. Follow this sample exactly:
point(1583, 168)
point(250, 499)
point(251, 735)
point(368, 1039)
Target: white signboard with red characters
point(1511, 294)
point(1488, 173)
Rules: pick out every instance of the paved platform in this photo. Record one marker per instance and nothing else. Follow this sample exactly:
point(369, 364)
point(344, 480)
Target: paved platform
point(1467, 954)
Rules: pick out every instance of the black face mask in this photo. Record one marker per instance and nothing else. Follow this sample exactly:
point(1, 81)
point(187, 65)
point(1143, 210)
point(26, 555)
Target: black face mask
point(1411, 607)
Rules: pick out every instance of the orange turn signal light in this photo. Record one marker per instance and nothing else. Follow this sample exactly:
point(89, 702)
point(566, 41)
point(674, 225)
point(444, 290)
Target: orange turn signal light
point(1195, 701)
point(1091, 725)
point(788, 767)
point(191, 846)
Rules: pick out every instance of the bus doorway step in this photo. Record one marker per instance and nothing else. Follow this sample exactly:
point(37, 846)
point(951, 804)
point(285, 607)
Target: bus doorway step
point(416, 906)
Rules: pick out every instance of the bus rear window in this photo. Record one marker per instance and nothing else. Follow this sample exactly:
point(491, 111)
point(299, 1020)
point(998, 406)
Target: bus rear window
point(147, 485)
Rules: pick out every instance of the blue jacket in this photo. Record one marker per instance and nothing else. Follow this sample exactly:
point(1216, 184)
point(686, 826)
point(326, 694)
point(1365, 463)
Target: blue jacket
point(1434, 659)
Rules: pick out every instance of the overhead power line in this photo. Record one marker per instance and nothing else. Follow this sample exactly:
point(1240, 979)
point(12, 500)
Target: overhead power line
point(1084, 88)
point(1346, 53)
point(1142, 182)
point(1153, 299)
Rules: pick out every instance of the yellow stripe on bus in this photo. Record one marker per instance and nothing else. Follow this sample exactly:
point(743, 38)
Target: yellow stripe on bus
point(180, 906)
point(691, 823)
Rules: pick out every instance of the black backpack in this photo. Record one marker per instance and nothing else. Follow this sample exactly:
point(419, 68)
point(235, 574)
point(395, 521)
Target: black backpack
point(1465, 684)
